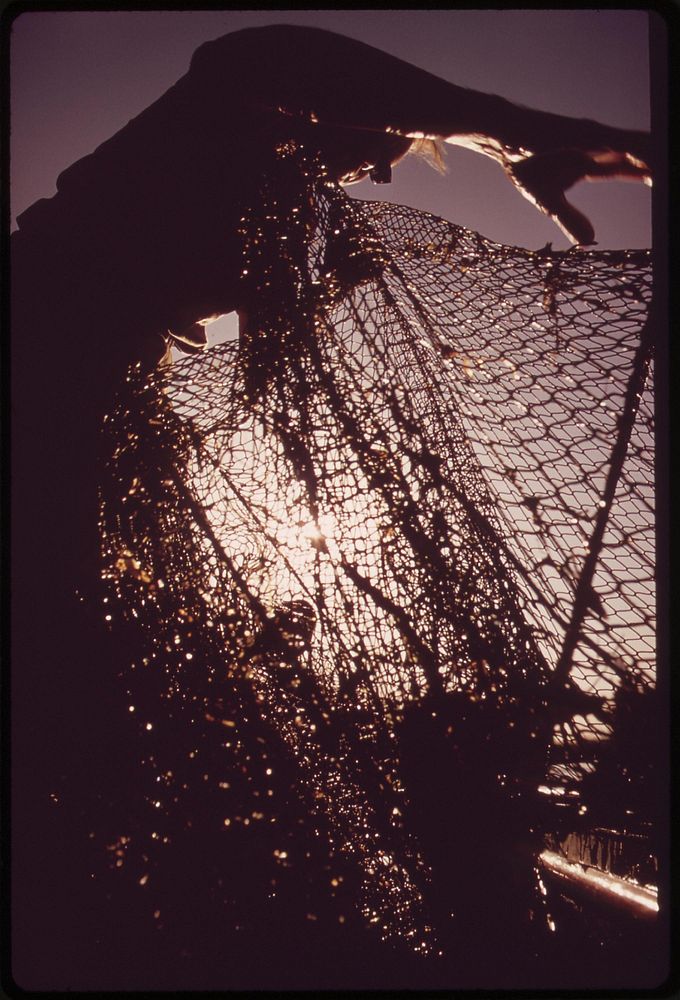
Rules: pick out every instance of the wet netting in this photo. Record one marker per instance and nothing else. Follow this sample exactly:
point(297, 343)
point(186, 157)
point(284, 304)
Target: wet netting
point(382, 567)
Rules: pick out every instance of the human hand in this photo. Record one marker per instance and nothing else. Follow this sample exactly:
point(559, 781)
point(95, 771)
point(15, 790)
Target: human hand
point(545, 177)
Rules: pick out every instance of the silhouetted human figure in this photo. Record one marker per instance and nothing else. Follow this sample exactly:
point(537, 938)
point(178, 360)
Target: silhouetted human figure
point(141, 238)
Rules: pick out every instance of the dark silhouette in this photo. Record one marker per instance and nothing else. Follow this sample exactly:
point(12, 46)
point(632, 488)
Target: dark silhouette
point(141, 239)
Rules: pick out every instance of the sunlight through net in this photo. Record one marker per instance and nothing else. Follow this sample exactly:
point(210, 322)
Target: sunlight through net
point(389, 555)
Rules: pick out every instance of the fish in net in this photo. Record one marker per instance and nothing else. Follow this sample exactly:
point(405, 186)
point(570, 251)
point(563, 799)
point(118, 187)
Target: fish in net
point(380, 567)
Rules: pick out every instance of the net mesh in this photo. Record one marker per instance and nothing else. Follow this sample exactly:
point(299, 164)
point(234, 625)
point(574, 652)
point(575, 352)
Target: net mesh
point(382, 565)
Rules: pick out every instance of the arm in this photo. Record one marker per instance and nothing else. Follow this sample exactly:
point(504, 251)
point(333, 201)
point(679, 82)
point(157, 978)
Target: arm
point(172, 182)
point(337, 81)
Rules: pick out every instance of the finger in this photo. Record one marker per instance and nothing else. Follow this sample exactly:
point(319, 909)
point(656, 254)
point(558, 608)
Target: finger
point(572, 222)
point(191, 340)
point(542, 180)
point(609, 164)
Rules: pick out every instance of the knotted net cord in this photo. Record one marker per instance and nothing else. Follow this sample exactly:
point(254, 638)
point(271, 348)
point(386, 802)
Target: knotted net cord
point(412, 507)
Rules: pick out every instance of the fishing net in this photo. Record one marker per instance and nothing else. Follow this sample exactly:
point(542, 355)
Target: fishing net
point(381, 565)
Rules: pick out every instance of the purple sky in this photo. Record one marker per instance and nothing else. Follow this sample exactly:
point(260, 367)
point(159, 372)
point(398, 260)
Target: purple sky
point(79, 77)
